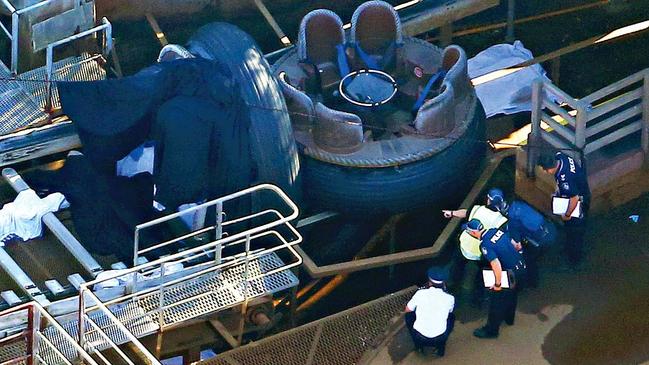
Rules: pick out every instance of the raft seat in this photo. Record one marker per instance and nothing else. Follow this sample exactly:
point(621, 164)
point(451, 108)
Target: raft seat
point(321, 31)
point(376, 31)
point(299, 105)
point(455, 64)
point(414, 56)
point(337, 131)
point(436, 117)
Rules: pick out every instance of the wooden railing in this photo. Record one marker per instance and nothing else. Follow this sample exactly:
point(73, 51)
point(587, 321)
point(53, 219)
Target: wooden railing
point(582, 126)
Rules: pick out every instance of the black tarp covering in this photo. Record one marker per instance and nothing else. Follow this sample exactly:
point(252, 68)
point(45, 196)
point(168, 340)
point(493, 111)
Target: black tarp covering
point(190, 108)
point(210, 135)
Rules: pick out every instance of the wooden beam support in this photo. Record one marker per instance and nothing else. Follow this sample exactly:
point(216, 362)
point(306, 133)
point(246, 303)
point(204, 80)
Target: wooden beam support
point(159, 34)
point(227, 336)
point(445, 14)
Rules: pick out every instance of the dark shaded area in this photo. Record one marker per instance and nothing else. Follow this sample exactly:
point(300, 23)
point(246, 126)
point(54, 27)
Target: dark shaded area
point(609, 323)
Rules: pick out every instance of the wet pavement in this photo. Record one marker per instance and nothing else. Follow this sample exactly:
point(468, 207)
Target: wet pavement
point(598, 314)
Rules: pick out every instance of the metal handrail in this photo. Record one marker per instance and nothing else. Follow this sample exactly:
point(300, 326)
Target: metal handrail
point(236, 259)
point(163, 308)
point(116, 322)
point(112, 344)
point(219, 204)
point(49, 53)
point(147, 291)
point(89, 302)
point(36, 313)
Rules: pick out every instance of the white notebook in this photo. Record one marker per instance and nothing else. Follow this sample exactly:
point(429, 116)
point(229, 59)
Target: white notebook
point(560, 207)
point(490, 279)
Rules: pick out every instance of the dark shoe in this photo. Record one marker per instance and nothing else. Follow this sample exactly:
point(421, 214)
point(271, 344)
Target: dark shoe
point(482, 332)
point(441, 351)
point(509, 323)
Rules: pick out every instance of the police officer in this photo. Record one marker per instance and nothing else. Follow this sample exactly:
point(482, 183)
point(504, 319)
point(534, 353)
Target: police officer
point(498, 248)
point(572, 183)
point(487, 214)
point(429, 313)
point(526, 225)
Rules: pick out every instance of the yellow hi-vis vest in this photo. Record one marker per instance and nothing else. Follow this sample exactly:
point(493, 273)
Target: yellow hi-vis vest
point(469, 245)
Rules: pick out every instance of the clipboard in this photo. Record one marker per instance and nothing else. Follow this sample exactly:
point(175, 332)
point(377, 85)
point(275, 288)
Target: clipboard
point(560, 207)
point(490, 279)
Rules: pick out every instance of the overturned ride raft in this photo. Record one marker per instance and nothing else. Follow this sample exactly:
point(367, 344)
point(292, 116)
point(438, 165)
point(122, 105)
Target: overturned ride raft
point(384, 122)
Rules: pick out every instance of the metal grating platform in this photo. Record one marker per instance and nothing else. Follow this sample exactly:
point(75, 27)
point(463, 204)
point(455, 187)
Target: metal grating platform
point(82, 68)
point(17, 108)
point(13, 351)
point(221, 289)
point(339, 339)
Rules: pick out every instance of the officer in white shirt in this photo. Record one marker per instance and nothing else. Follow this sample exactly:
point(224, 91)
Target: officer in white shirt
point(429, 313)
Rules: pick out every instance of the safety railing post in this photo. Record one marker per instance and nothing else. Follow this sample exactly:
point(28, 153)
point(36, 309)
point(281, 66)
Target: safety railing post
point(36, 327)
point(15, 18)
point(136, 246)
point(31, 338)
point(82, 317)
point(534, 139)
point(108, 37)
point(48, 78)
point(244, 305)
point(645, 117)
point(580, 128)
point(218, 232)
point(132, 283)
point(161, 303)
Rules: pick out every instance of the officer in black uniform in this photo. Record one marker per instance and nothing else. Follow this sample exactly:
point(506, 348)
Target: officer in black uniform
point(572, 183)
point(497, 248)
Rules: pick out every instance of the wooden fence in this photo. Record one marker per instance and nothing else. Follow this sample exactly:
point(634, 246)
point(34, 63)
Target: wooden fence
point(582, 126)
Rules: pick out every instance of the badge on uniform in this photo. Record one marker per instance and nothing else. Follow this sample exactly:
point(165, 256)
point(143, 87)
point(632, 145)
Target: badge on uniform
point(565, 186)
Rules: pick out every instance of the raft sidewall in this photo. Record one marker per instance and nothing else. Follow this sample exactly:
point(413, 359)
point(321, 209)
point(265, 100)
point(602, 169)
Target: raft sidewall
point(441, 178)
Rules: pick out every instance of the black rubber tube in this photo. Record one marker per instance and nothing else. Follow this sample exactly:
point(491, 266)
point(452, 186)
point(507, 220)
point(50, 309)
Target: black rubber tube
point(271, 136)
point(363, 192)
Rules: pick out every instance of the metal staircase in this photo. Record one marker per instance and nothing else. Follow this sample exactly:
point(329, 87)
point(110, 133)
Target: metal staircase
point(152, 297)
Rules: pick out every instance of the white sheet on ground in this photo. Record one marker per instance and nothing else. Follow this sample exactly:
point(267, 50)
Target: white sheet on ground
point(509, 94)
point(22, 217)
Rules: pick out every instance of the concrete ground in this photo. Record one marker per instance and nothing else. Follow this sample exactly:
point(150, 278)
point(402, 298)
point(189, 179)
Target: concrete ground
point(596, 315)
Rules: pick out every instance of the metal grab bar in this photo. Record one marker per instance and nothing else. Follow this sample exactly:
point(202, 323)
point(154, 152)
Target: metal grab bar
point(49, 55)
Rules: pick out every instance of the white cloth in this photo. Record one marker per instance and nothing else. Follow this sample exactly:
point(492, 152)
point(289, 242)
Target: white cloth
point(139, 160)
point(23, 216)
point(509, 94)
point(432, 307)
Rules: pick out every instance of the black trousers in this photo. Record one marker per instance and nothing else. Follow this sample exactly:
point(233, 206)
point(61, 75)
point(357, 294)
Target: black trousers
point(575, 229)
point(422, 341)
point(531, 254)
point(502, 307)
